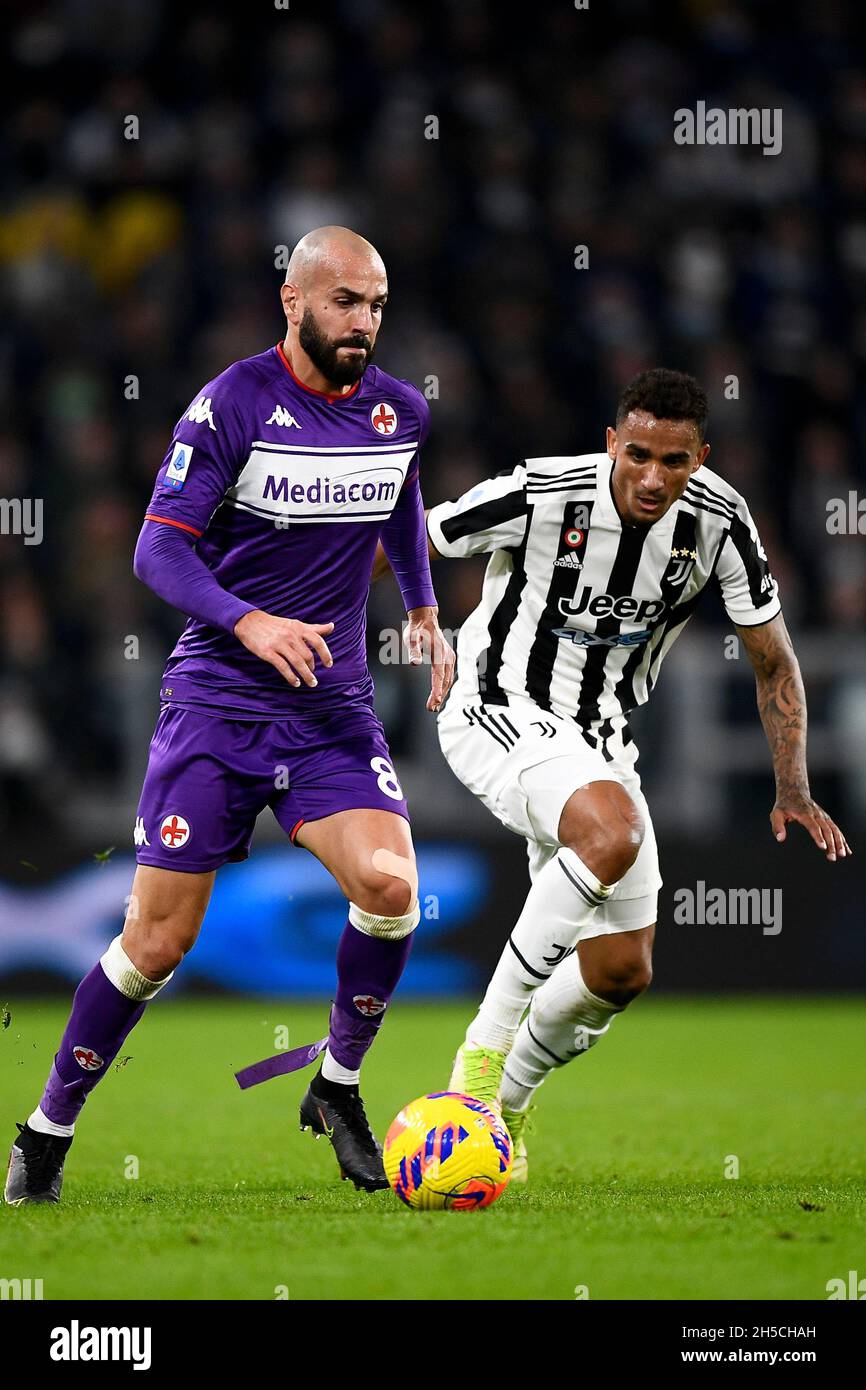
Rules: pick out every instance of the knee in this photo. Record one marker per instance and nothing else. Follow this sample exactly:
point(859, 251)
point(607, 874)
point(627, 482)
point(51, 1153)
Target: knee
point(604, 828)
point(624, 982)
point(382, 894)
point(157, 947)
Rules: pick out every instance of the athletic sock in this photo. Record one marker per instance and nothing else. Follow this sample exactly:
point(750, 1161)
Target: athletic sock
point(560, 903)
point(42, 1125)
point(106, 1006)
point(371, 957)
point(332, 1071)
point(565, 1020)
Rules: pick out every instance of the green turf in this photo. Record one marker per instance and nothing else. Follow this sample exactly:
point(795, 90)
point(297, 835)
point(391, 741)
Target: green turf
point(627, 1194)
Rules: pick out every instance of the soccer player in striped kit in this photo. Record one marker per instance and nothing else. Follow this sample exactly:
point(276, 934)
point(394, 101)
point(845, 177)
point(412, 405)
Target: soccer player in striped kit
point(597, 563)
point(279, 481)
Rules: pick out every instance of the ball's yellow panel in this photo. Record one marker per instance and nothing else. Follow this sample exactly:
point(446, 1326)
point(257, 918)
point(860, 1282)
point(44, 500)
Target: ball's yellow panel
point(448, 1152)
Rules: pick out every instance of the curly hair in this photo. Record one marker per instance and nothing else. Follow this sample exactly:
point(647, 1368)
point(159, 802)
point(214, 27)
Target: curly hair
point(666, 394)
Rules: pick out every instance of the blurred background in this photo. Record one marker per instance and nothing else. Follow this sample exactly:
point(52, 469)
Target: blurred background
point(135, 269)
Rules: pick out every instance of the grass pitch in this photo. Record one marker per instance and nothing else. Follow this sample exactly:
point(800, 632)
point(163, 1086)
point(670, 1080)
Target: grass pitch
point(627, 1196)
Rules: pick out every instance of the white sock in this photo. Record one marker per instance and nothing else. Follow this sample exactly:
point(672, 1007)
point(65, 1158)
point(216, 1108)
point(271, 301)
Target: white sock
point(43, 1125)
point(332, 1070)
point(565, 1020)
point(560, 903)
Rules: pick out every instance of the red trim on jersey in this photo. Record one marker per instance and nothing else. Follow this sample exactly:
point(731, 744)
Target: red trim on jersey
point(331, 396)
point(294, 830)
point(167, 521)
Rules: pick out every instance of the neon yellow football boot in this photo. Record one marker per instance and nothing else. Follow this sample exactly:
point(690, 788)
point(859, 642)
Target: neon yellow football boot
point(516, 1123)
point(477, 1072)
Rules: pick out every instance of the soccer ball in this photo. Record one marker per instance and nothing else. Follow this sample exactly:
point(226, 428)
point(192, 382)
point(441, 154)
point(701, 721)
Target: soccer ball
point(447, 1152)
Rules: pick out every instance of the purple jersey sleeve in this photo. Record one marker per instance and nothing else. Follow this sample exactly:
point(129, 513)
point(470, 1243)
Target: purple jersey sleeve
point(208, 447)
point(404, 534)
point(166, 561)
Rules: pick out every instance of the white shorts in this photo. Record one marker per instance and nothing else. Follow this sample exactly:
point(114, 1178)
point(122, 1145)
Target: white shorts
point(524, 763)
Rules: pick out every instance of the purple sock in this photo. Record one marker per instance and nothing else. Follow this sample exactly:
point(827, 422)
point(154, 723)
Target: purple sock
point(368, 970)
point(101, 1018)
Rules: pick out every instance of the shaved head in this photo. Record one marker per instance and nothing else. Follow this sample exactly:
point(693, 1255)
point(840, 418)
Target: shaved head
point(334, 293)
point(327, 250)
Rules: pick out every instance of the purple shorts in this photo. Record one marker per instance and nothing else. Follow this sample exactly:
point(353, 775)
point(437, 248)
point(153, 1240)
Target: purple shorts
point(208, 778)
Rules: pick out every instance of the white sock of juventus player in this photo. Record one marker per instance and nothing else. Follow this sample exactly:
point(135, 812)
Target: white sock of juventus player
point(565, 1020)
point(560, 903)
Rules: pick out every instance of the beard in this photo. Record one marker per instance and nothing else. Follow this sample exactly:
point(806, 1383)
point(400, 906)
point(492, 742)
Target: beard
point(324, 354)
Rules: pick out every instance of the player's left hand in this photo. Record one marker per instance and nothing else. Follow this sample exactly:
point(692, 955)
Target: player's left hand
point(425, 641)
point(799, 806)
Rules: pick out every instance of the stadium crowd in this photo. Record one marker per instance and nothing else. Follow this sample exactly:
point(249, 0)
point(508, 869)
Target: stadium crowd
point(159, 157)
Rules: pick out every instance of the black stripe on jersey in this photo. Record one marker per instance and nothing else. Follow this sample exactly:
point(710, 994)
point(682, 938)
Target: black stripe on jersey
point(698, 485)
point(620, 583)
point(488, 663)
point(487, 515)
point(545, 647)
point(505, 727)
point(705, 506)
point(503, 719)
point(537, 490)
point(756, 568)
point(474, 717)
point(683, 538)
point(680, 615)
point(587, 470)
point(605, 730)
point(559, 484)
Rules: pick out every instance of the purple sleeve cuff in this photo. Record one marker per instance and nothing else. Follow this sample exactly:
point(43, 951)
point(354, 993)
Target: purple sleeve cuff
point(167, 562)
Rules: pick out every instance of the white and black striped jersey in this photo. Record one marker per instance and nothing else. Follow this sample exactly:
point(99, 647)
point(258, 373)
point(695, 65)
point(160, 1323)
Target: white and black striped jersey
point(577, 611)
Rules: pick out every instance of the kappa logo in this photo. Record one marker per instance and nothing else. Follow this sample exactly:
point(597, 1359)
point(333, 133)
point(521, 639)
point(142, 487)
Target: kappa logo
point(87, 1059)
point(281, 416)
point(200, 412)
point(174, 831)
point(139, 834)
point(368, 1005)
point(568, 562)
point(383, 418)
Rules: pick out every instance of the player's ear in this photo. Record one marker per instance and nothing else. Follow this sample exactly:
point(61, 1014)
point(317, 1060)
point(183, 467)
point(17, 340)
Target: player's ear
point(289, 294)
point(701, 456)
point(611, 442)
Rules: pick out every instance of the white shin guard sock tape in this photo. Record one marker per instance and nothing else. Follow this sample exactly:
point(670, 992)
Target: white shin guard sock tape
point(386, 928)
point(560, 903)
point(124, 976)
point(565, 1020)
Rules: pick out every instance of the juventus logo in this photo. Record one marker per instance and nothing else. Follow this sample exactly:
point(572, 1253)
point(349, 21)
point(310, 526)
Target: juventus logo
point(682, 562)
point(560, 953)
point(547, 730)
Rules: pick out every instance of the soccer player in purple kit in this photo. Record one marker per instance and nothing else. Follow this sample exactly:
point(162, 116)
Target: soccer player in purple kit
point(279, 481)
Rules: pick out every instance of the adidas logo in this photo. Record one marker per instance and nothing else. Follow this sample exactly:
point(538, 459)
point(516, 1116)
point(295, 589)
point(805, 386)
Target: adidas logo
point(281, 416)
point(568, 562)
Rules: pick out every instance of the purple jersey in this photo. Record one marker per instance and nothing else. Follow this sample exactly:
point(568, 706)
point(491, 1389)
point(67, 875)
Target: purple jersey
point(283, 493)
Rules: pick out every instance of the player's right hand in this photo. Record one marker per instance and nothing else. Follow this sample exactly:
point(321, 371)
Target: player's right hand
point(286, 643)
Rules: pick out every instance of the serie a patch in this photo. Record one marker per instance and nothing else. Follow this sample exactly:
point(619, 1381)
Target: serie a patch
point(178, 466)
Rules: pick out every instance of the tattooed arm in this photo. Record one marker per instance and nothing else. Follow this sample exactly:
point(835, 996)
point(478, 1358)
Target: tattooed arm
point(782, 706)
